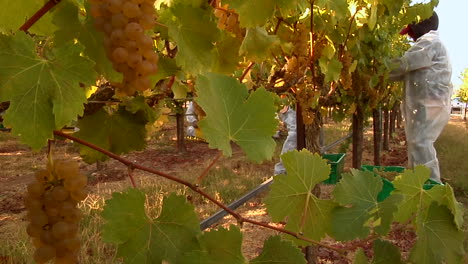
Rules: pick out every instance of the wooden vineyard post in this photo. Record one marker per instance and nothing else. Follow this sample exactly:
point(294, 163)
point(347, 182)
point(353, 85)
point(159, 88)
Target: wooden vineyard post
point(377, 124)
point(358, 131)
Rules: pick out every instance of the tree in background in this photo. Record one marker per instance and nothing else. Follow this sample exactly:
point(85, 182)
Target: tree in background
point(463, 91)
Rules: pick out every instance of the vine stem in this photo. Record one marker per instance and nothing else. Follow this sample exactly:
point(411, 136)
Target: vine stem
point(130, 175)
point(251, 64)
point(41, 12)
point(195, 188)
point(207, 169)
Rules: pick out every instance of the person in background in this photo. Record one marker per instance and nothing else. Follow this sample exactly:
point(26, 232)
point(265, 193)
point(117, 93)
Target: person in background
point(426, 72)
point(288, 116)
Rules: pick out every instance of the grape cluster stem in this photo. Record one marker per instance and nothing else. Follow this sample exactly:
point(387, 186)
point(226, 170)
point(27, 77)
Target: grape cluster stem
point(196, 189)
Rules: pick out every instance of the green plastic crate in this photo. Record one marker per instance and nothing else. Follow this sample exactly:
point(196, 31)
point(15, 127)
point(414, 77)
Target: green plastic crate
point(336, 161)
point(388, 187)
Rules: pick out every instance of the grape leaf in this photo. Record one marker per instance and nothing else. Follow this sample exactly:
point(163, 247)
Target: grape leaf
point(360, 257)
point(438, 237)
point(144, 240)
point(139, 104)
point(166, 67)
point(384, 214)
point(410, 184)
point(70, 27)
point(257, 44)
point(385, 253)
point(226, 54)
point(233, 115)
point(218, 246)
point(291, 195)
point(276, 251)
point(339, 6)
point(13, 14)
point(119, 132)
point(357, 193)
point(446, 197)
point(44, 92)
point(331, 68)
point(393, 6)
point(253, 13)
point(194, 31)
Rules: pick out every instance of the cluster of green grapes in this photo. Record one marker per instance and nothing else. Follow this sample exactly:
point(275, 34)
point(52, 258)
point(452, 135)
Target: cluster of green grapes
point(301, 40)
point(345, 75)
point(51, 202)
point(227, 19)
point(128, 47)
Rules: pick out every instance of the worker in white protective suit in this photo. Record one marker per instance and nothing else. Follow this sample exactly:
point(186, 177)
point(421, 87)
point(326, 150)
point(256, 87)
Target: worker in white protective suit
point(192, 119)
point(288, 116)
point(426, 71)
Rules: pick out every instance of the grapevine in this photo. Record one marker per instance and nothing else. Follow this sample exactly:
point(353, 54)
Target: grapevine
point(51, 201)
point(128, 47)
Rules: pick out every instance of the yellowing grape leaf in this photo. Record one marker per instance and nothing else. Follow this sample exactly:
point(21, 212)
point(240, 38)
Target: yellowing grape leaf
point(291, 195)
point(233, 115)
point(386, 253)
point(70, 27)
point(439, 239)
point(119, 132)
point(194, 32)
point(276, 251)
point(140, 239)
point(44, 92)
point(257, 44)
point(416, 199)
point(357, 193)
point(13, 14)
point(218, 246)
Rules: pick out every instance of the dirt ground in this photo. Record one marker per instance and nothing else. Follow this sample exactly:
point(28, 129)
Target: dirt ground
point(18, 163)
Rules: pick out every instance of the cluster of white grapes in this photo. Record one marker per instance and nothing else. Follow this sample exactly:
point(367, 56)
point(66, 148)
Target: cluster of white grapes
point(123, 23)
point(51, 202)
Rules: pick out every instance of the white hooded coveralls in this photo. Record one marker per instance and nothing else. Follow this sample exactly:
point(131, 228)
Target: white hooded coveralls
point(426, 71)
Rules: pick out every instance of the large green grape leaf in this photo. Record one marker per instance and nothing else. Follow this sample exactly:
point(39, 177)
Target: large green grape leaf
point(13, 14)
point(194, 31)
point(386, 253)
point(70, 27)
point(357, 193)
point(257, 44)
point(44, 92)
point(439, 239)
point(276, 251)
point(291, 195)
point(119, 132)
point(446, 196)
point(218, 246)
point(410, 184)
point(233, 115)
point(226, 54)
point(144, 240)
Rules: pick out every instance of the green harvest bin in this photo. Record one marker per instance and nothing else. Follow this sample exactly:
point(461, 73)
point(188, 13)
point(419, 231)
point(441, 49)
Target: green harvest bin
point(336, 161)
point(388, 187)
